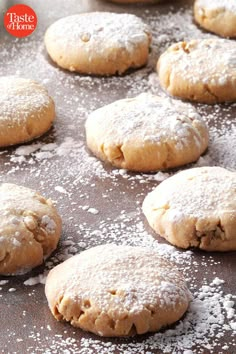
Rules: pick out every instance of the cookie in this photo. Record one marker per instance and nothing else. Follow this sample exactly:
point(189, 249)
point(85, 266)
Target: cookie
point(200, 70)
point(217, 16)
point(117, 291)
point(99, 43)
point(195, 208)
point(30, 228)
point(26, 110)
point(146, 133)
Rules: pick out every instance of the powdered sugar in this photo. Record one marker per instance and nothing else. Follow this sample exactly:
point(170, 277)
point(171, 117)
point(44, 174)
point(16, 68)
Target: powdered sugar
point(3, 282)
point(198, 54)
point(203, 322)
point(146, 118)
point(199, 329)
point(223, 148)
point(228, 5)
point(205, 193)
point(39, 279)
point(117, 195)
point(20, 98)
point(100, 31)
point(120, 286)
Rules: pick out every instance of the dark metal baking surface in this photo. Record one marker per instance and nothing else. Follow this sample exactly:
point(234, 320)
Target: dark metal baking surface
point(60, 167)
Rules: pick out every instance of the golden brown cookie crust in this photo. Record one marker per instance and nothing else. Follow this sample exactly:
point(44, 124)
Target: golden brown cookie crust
point(129, 290)
point(146, 133)
point(99, 43)
point(195, 208)
point(200, 70)
point(30, 228)
point(27, 111)
point(216, 16)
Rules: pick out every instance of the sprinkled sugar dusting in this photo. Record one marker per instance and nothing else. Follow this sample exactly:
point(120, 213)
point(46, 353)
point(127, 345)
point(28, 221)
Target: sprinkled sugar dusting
point(148, 118)
point(198, 54)
point(116, 194)
point(228, 5)
point(204, 192)
point(103, 32)
point(20, 97)
point(118, 287)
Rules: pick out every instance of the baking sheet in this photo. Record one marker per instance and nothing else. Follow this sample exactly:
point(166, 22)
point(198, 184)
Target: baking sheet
point(59, 166)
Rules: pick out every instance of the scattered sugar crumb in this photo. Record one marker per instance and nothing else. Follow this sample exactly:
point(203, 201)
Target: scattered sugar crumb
point(60, 190)
point(11, 290)
point(93, 211)
point(3, 282)
point(40, 279)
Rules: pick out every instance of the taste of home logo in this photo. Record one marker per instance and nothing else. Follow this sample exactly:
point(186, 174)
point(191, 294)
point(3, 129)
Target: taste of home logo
point(20, 20)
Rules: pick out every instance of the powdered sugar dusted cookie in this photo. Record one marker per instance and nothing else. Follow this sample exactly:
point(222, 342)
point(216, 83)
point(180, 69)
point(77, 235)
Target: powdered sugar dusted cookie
point(146, 133)
point(26, 110)
point(30, 228)
point(117, 291)
point(218, 16)
point(100, 43)
point(200, 70)
point(195, 208)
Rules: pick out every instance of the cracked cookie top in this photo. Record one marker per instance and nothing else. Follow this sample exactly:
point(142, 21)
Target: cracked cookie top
point(200, 70)
point(195, 208)
point(30, 228)
point(146, 133)
point(117, 291)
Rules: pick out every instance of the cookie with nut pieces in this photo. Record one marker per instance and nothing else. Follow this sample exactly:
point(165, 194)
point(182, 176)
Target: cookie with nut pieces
point(117, 291)
point(30, 229)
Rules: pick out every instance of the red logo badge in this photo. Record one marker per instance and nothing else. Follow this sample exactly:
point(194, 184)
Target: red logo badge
point(20, 20)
